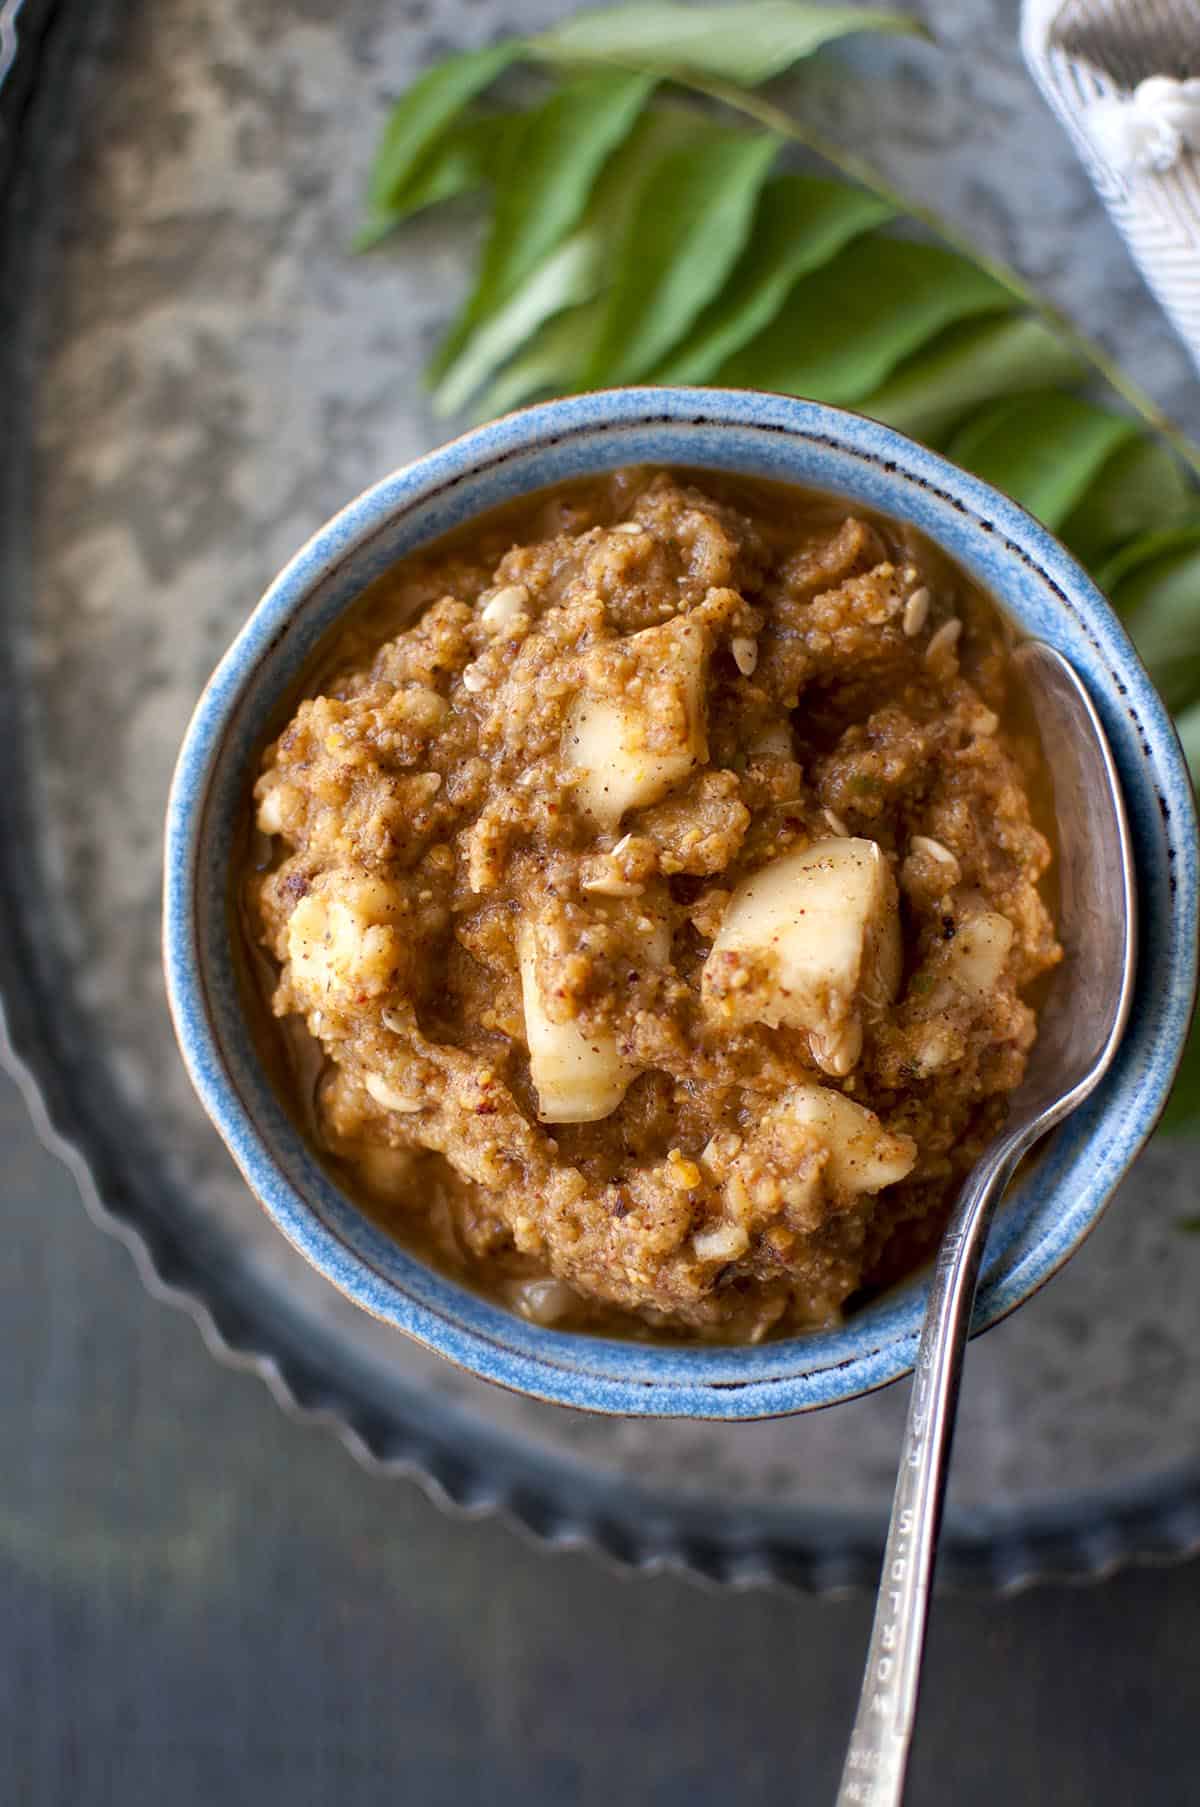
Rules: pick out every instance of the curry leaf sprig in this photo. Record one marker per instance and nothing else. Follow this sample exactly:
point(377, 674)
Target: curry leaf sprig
point(644, 226)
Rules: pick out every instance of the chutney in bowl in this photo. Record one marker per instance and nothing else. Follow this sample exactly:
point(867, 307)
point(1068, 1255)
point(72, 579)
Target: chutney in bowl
point(870, 474)
point(652, 871)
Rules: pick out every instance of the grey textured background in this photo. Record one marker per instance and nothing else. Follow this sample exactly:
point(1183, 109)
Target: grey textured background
point(202, 1601)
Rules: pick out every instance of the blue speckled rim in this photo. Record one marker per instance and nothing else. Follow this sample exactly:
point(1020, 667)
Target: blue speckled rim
point(1044, 591)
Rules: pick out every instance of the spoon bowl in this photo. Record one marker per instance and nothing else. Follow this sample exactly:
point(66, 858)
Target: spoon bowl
point(1080, 1029)
point(1088, 1006)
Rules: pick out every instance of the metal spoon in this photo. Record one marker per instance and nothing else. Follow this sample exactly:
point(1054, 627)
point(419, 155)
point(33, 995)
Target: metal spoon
point(1080, 1028)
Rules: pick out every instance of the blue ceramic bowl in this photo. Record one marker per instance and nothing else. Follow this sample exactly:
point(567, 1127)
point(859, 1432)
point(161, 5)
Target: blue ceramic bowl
point(1046, 594)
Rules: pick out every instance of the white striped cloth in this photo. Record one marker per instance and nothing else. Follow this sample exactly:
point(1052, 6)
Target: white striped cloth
point(1124, 78)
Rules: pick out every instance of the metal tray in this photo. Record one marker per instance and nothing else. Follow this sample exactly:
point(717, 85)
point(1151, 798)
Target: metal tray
point(196, 373)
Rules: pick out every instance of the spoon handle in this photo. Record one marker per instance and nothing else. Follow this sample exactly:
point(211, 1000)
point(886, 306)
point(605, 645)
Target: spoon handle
point(877, 1756)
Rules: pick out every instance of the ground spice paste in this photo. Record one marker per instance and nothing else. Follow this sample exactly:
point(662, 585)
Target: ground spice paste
point(654, 867)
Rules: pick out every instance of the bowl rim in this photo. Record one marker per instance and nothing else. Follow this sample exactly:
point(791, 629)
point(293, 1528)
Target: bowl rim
point(603, 1374)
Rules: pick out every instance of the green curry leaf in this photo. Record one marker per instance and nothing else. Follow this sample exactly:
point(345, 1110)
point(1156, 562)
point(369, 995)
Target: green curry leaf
point(1183, 1108)
point(843, 331)
point(747, 42)
point(580, 268)
point(1159, 602)
point(973, 362)
point(1188, 724)
point(463, 159)
point(800, 224)
point(1043, 449)
point(1148, 548)
point(550, 364)
point(568, 276)
point(690, 223)
point(1140, 490)
point(420, 117)
point(547, 179)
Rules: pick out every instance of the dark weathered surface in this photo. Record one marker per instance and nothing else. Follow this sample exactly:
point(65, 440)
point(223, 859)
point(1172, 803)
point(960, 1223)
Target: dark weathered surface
point(202, 1601)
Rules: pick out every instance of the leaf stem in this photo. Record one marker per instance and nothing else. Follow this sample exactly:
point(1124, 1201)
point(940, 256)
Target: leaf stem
point(857, 169)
